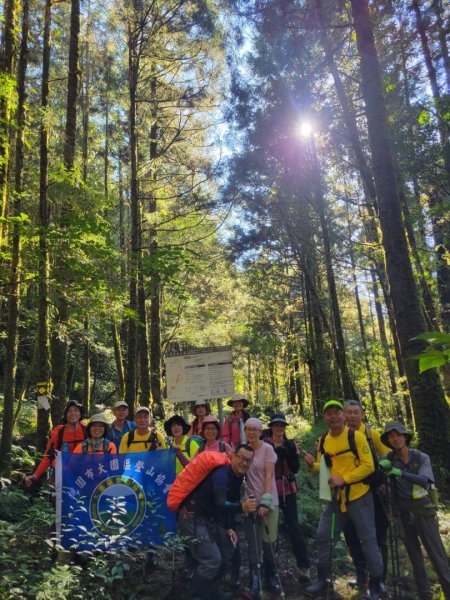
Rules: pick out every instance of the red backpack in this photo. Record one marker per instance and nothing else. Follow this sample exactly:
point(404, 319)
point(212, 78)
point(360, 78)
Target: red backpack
point(194, 473)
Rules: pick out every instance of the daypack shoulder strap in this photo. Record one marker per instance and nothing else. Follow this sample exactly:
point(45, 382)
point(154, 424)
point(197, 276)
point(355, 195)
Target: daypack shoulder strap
point(130, 438)
point(222, 447)
point(59, 440)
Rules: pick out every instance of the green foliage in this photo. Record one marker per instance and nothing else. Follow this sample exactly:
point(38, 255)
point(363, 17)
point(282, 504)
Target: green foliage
point(438, 352)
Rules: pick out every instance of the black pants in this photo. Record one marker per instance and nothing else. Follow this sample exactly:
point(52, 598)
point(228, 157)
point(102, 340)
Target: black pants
point(354, 545)
point(290, 514)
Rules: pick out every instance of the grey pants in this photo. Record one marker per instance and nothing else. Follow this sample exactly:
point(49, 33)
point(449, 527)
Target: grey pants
point(210, 547)
point(420, 528)
point(360, 512)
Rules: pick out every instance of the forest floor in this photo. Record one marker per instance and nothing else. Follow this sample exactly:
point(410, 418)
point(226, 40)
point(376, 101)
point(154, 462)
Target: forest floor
point(164, 583)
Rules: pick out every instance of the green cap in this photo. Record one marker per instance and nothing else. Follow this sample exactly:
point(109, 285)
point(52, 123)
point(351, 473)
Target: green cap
point(331, 403)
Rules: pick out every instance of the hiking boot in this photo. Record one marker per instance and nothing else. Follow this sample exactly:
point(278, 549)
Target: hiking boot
point(382, 587)
point(374, 592)
point(322, 584)
point(304, 574)
point(254, 591)
point(273, 585)
point(318, 587)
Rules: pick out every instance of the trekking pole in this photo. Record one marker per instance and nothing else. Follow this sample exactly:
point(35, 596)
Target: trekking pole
point(393, 546)
point(334, 502)
point(277, 571)
point(247, 595)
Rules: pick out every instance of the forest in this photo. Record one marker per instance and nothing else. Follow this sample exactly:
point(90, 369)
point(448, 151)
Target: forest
point(268, 175)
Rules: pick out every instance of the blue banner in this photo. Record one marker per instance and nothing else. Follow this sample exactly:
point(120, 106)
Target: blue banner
point(114, 500)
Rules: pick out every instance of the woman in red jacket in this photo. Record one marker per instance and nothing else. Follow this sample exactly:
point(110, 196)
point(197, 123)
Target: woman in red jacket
point(70, 433)
point(233, 427)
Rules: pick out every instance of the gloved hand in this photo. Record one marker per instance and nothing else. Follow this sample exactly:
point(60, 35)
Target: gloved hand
point(394, 472)
point(266, 501)
point(385, 465)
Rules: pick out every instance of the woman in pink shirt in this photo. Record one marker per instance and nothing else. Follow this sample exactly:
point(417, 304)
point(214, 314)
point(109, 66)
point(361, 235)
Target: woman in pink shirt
point(261, 484)
point(212, 432)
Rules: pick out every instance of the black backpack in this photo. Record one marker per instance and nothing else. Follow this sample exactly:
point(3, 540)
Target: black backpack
point(60, 442)
point(152, 440)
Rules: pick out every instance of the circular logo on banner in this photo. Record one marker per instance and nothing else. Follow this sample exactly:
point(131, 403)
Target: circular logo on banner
point(117, 505)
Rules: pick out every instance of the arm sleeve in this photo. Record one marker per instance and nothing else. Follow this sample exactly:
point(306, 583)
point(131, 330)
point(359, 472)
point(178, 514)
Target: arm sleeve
point(366, 466)
point(46, 461)
point(415, 479)
point(220, 479)
point(381, 449)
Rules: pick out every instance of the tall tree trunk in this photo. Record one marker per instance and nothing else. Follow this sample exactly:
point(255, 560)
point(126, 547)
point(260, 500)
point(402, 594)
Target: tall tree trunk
point(431, 414)
point(348, 388)
point(440, 199)
point(43, 333)
point(385, 345)
point(362, 331)
point(135, 225)
point(143, 348)
point(8, 51)
point(15, 273)
point(60, 336)
point(155, 284)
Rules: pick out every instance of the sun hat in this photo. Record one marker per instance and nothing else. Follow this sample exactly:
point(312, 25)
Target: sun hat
point(176, 419)
point(238, 398)
point(332, 403)
point(120, 403)
point(200, 403)
point(214, 421)
point(97, 419)
point(395, 426)
point(278, 418)
point(253, 422)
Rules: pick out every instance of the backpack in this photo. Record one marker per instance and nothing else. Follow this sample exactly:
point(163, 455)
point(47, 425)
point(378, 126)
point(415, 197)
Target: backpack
point(152, 440)
point(85, 446)
point(370, 479)
point(194, 473)
point(197, 438)
point(351, 448)
point(59, 440)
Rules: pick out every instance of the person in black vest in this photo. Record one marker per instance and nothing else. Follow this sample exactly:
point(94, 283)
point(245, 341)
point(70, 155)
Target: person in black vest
point(206, 520)
point(286, 467)
point(410, 480)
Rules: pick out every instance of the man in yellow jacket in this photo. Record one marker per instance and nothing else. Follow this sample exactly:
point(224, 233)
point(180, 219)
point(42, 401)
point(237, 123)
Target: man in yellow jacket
point(346, 455)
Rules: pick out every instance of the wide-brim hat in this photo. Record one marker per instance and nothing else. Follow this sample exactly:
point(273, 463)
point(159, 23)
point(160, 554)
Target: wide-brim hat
point(176, 419)
point(97, 419)
point(200, 403)
point(278, 418)
point(399, 428)
point(238, 398)
point(215, 422)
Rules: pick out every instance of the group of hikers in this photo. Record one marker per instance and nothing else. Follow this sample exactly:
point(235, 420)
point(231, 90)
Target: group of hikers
point(233, 480)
